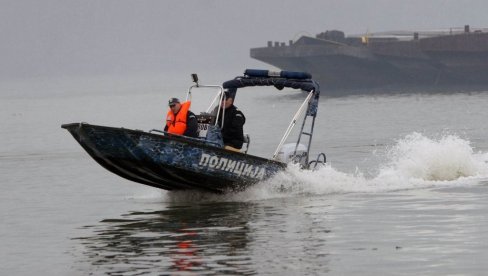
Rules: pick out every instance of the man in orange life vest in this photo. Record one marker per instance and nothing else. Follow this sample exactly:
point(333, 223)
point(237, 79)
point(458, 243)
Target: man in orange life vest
point(180, 120)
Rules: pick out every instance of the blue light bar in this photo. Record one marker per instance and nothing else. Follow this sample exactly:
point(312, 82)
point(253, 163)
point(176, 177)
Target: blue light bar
point(259, 73)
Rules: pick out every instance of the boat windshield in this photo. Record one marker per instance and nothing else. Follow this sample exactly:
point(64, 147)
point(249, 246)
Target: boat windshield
point(204, 98)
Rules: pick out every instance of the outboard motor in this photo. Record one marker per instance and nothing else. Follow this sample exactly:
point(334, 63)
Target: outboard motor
point(288, 154)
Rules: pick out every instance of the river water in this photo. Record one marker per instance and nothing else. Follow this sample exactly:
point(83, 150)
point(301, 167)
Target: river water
point(405, 190)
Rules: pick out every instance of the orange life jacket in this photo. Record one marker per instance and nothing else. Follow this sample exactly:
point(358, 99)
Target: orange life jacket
point(177, 124)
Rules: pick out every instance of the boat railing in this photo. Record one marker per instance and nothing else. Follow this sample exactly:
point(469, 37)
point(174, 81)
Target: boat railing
point(157, 130)
point(292, 124)
point(408, 35)
point(321, 160)
point(220, 96)
point(199, 139)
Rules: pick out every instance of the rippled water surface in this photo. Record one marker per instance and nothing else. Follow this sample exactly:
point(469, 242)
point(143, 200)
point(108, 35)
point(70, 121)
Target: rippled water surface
point(405, 191)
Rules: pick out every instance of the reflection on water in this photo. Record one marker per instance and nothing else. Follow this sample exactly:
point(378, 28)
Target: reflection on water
point(202, 239)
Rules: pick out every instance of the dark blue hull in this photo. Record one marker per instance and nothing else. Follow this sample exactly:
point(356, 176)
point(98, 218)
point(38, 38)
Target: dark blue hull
point(171, 162)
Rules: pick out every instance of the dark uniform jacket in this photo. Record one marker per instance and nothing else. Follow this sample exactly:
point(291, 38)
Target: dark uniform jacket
point(191, 125)
point(232, 131)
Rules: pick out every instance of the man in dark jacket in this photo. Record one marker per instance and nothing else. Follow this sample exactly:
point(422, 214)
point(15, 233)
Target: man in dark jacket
point(232, 130)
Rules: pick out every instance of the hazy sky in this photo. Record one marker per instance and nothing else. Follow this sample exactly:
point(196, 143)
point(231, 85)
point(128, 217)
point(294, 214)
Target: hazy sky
point(89, 37)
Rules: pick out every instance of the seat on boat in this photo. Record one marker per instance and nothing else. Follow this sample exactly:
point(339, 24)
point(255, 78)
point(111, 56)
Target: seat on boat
point(247, 141)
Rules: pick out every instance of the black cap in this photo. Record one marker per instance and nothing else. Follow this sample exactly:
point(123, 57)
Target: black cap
point(228, 94)
point(173, 101)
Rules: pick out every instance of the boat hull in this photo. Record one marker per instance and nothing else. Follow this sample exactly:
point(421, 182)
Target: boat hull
point(171, 162)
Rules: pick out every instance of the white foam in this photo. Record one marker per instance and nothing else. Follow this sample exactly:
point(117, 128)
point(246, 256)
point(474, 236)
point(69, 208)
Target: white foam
point(414, 162)
point(448, 158)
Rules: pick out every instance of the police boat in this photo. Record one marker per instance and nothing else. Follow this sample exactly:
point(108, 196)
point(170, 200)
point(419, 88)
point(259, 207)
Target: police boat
point(173, 162)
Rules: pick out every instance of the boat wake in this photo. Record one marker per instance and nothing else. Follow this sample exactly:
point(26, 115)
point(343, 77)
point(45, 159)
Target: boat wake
point(414, 162)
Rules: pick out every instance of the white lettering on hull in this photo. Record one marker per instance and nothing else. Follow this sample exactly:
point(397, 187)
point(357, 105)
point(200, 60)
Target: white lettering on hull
point(238, 168)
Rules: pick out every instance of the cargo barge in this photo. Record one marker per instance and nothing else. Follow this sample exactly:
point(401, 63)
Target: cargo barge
point(390, 61)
